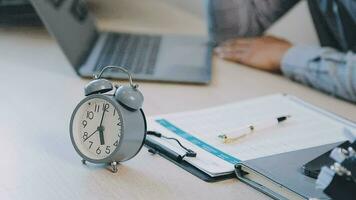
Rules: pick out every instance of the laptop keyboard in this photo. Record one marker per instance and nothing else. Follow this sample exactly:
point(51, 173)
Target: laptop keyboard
point(137, 53)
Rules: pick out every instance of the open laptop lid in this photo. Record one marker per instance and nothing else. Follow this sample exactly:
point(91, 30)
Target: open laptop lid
point(70, 22)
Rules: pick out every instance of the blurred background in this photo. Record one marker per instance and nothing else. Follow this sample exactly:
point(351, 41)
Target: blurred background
point(177, 12)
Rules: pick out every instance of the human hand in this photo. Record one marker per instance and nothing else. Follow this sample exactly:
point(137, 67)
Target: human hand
point(263, 53)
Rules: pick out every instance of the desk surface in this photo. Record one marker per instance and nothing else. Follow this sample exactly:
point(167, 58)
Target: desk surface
point(39, 91)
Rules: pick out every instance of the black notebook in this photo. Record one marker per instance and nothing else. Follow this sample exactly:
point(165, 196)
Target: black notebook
point(281, 176)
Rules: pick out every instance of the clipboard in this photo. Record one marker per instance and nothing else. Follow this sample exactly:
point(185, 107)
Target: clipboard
point(179, 125)
point(155, 148)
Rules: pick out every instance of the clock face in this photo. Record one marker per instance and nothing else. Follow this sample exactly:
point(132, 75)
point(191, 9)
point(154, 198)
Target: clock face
point(97, 128)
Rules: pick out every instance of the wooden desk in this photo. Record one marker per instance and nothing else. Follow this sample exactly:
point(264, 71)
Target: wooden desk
point(39, 90)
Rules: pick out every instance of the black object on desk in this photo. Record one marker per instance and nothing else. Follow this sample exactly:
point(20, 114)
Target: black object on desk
point(338, 180)
point(341, 188)
point(313, 167)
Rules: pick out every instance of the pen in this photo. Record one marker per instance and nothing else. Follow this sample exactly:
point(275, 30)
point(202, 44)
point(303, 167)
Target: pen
point(244, 131)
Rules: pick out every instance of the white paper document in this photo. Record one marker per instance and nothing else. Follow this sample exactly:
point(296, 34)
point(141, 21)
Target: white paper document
point(307, 127)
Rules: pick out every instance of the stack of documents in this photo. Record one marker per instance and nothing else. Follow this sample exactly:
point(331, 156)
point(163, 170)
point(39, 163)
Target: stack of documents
point(307, 127)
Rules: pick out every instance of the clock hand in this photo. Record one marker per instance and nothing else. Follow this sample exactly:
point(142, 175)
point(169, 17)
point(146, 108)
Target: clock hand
point(101, 128)
point(102, 117)
point(101, 136)
point(90, 135)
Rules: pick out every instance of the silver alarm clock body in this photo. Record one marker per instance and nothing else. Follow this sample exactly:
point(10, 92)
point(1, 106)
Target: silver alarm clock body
point(108, 128)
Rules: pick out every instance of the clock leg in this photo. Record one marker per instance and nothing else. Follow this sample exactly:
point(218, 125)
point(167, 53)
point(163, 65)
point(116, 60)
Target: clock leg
point(113, 167)
point(84, 162)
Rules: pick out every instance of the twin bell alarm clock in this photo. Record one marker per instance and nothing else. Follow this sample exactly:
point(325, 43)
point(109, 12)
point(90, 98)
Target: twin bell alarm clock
point(108, 127)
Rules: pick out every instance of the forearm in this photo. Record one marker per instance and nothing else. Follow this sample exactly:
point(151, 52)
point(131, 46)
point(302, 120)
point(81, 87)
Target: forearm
point(238, 18)
point(322, 68)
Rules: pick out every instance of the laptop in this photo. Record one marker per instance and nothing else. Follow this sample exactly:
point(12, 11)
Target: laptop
point(170, 58)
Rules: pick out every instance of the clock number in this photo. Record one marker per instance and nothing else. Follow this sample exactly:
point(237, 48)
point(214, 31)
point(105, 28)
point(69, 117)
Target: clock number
point(85, 135)
point(107, 150)
point(96, 108)
point(84, 123)
point(116, 143)
point(105, 107)
point(98, 150)
point(90, 115)
point(91, 143)
point(114, 112)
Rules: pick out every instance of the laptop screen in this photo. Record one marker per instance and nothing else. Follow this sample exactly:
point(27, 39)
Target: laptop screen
point(70, 22)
